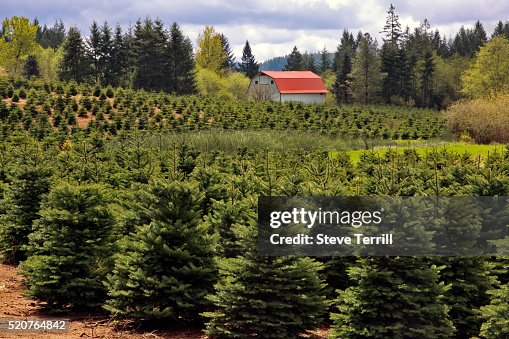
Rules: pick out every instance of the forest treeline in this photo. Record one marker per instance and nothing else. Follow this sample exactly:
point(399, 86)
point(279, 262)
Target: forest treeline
point(418, 67)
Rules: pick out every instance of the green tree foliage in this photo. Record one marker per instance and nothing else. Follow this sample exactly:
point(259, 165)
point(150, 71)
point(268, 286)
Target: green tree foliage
point(427, 72)
point(74, 238)
point(165, 268)
point(149, 55)
point(118, 62)
point(468, 41)
point(308, 62)
point(265, 297)
point(75, 64)
point(295, 61)
point(181, 63)
point(393, 297)
point(229, 62)
point(496, 324)
point(22, 202)
point(248, 66)
point(325, 63)
point(392, 28)
point(501, 29)
point(17, 43)
point(94, 51)
point(490, 73)
point(52, 37)
point(210, 54)
point(31, 67)
point(366, 75)
point(342, 65)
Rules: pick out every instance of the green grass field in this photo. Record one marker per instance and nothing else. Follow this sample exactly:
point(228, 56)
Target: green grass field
point(422, 149)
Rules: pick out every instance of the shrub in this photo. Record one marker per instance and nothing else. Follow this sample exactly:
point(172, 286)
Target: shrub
point(484, 120)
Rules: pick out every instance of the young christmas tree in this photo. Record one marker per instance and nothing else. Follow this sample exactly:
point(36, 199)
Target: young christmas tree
point(22, 204)
point(393, 297)
point(70, 248)
point(266, 297)
point(496, 314)
point(165, 268)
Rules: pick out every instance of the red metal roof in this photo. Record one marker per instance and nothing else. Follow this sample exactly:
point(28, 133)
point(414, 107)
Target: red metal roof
point(297, 81)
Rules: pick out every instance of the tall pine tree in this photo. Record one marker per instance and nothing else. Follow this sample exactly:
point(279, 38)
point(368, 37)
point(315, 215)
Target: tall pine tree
point(180, 63)
point(295, 61)
point(248, 66)
point(74, 65)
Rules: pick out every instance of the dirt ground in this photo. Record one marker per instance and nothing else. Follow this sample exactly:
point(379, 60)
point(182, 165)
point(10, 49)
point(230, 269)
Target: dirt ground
point(13, 304)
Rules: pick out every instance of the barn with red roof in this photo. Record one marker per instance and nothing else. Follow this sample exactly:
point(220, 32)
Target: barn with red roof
point(282, 86)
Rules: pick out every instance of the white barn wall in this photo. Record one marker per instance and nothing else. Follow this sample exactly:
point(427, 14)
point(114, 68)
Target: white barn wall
point(264, 83)
point(311, 98)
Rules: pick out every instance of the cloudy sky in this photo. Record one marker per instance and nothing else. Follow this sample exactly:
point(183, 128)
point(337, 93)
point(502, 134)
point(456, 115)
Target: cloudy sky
point(272, 27)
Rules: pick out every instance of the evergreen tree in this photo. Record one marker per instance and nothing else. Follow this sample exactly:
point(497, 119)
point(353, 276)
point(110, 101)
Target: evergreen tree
point(392, 28)
point(342, 66)
point(427, 72)
point(229, 62)
point(343, 80)
point(366, 75)
point(73, 238)
point(393, 297)
point(389, 66)
point(501, 29)
point(29, 184)
point(52, 37)
point(496, 323)
point(308, 62)
point(149, 54)
point(403, 74)
point(324, 61)
point(267, 297)
point(94, 51)
point(75, 65)
point(106, 50)
point(295, 61)
point(31, 67)
point(248, 66)
point(119, 59)
point(180, 63)
point(165, 268)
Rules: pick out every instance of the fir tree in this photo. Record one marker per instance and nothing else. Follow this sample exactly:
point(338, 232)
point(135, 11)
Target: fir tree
point(427, 72)
point(266, 297)
point(75, 65)
point(393, 297)
point(308, 62)
point(149, 55)
point(30, 183)
point(496, 323)
point(164, 268)
point(94, 51)
point(180, 63)
point(31, 67)
point(248, 66)
point(106, 49)
point(342, 66)
point(295, 61)
point(229, 62)
point(118, 59)
point(74, 238)
point(324, 61)
point(366, 75)
point(392, 28)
